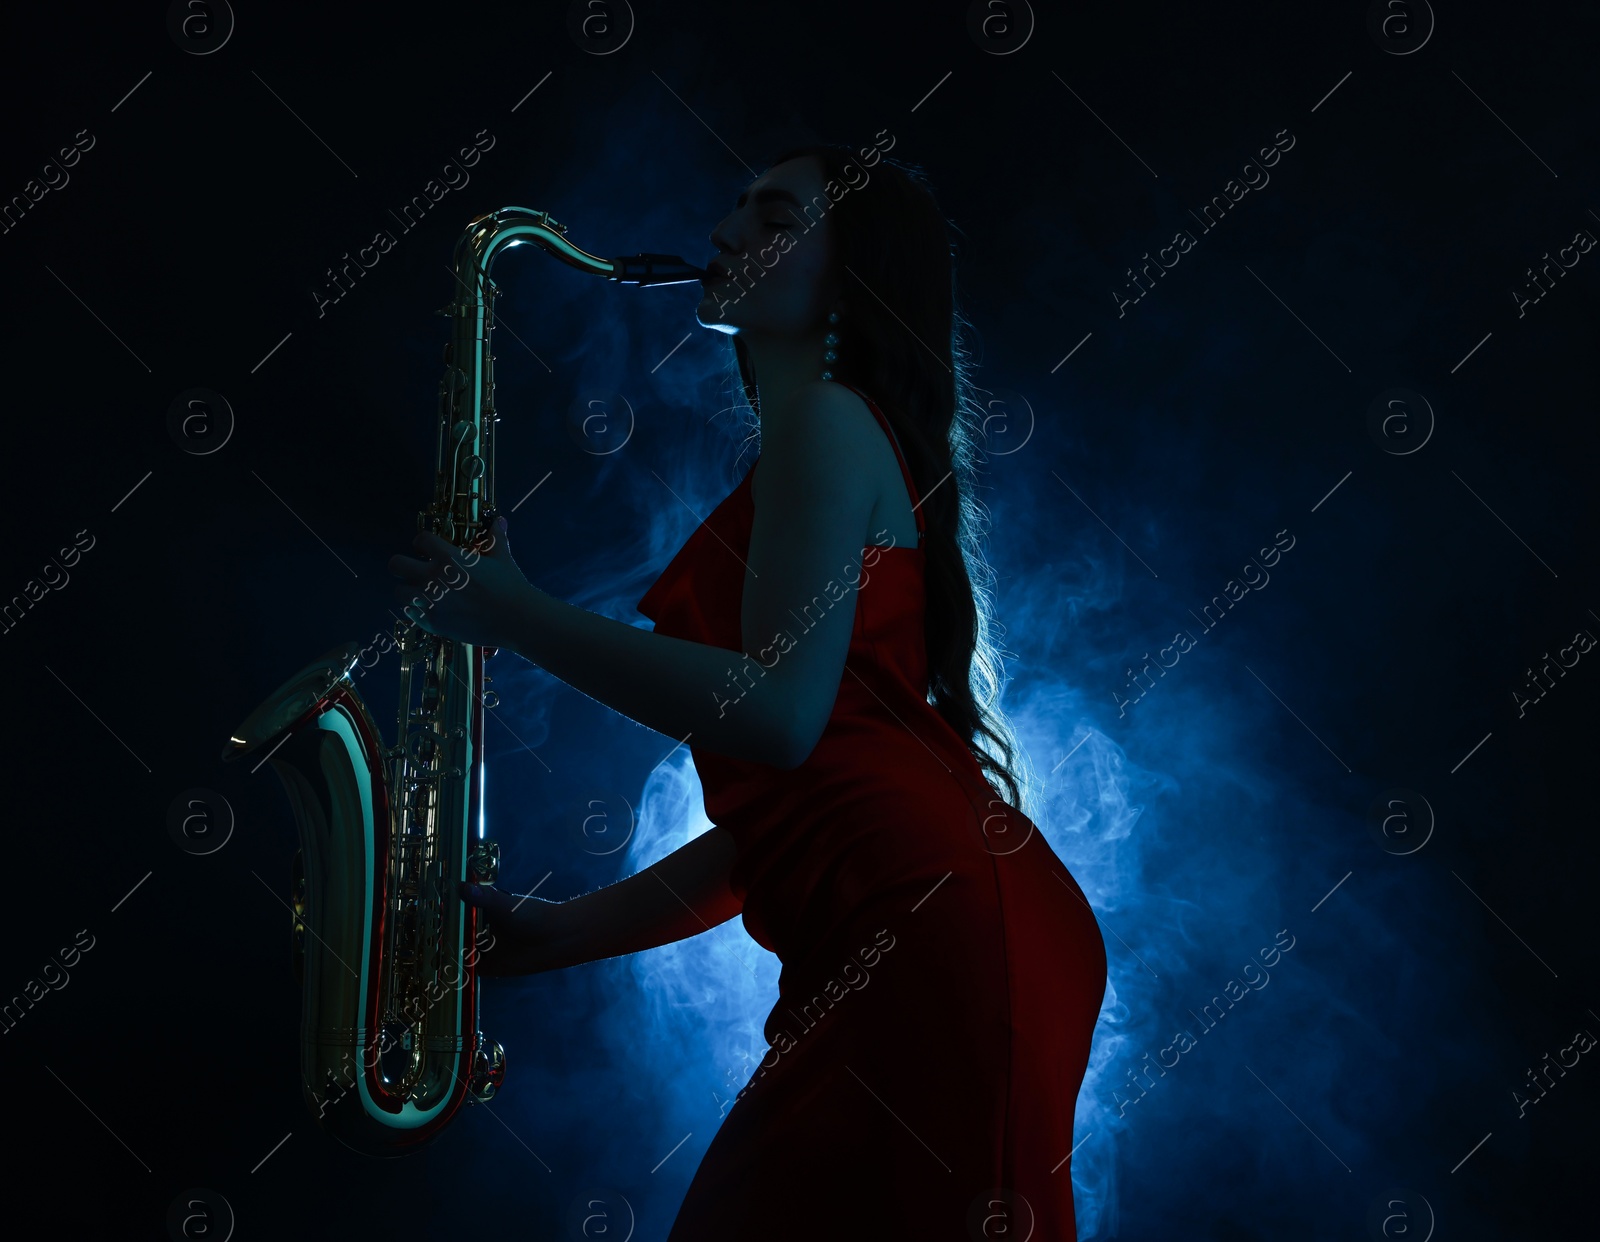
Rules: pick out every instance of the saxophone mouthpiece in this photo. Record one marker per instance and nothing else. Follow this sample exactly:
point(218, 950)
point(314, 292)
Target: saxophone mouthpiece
point(654, 269)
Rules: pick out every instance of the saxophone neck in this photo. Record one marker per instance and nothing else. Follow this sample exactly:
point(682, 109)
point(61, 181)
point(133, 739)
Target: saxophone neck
point(495, 231)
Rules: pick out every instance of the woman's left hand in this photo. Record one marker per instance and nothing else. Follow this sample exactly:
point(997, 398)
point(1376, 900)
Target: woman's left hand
point(472, 599)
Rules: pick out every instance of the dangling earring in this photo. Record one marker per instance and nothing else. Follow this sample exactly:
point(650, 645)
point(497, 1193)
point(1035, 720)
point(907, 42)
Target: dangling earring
point(830, 354)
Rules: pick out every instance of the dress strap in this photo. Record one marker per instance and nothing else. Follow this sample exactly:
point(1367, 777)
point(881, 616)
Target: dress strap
point(905, 470)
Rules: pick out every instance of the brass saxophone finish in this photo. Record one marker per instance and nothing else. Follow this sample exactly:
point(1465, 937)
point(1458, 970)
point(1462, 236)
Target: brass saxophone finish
point(384, 949)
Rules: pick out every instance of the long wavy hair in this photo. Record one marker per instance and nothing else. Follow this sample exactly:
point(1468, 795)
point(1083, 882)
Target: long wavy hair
point(902, 340)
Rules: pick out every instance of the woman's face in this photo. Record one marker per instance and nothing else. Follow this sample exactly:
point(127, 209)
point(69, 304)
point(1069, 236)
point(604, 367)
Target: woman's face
point(775, 255)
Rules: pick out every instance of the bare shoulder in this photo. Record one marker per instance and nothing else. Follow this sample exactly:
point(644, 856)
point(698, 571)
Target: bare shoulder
point(826, 423)
point(819, 464)
point(823, 410)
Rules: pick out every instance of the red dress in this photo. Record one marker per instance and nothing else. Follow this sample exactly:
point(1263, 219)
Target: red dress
point(942, 970)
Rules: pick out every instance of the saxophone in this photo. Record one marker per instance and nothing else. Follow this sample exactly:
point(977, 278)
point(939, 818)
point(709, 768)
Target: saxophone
point(384, 950)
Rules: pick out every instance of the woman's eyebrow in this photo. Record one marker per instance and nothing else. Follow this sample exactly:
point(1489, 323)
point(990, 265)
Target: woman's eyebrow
point(768, 196)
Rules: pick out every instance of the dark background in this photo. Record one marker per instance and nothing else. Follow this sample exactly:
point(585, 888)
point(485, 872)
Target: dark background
point(1370, 1086)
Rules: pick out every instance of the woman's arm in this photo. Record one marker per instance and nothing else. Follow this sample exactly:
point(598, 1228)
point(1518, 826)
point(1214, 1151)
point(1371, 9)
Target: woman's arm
point(805, 565)
point(685, 690)
point(683, 894)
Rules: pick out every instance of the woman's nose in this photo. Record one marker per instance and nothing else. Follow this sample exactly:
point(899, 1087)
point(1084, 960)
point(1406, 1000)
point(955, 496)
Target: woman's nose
point(722, 237)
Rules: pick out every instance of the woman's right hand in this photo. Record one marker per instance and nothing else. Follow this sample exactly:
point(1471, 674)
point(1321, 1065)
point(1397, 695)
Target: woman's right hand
point(524, 931)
